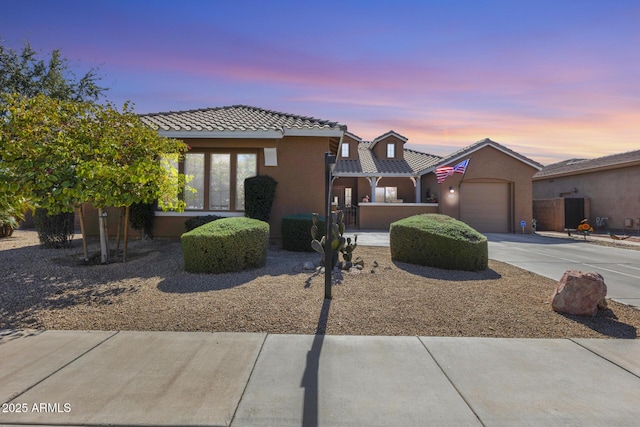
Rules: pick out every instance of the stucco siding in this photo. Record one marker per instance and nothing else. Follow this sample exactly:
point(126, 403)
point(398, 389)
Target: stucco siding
point(299, 173)
point(491, 165)
point(614, 193)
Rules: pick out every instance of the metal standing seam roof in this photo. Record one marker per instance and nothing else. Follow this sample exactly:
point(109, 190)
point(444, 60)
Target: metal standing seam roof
point(368, 165)
point(238, 119)
point(576, 166)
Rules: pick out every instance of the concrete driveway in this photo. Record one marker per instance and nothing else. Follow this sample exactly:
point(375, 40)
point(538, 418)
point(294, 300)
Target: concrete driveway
point(551, 257)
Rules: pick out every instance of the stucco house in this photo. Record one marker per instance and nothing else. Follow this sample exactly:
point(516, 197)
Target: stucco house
point(390, 176)
point(604, 187)
point(493, 195)
point(229, 144)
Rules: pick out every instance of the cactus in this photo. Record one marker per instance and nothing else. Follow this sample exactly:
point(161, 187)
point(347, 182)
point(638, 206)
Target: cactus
point(347, 251)
point(338, 242)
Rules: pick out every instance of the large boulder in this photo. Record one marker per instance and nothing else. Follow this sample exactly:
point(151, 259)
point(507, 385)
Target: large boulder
point(580, 293)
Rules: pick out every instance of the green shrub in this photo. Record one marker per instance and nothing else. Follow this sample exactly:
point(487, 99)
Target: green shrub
point(438, 241)
point(198, 221)
point(12, 210)
point(55, 231)
point(296, 232)
point(141, 218)
point(259, 192)
point(226, 245)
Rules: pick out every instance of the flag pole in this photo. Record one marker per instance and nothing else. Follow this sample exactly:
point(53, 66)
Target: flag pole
point(465, 172)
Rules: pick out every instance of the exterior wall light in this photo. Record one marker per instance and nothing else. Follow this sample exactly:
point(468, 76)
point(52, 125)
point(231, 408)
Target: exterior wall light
point(451, 190)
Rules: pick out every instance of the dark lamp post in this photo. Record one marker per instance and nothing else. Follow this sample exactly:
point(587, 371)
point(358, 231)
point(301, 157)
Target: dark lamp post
point(329, 166)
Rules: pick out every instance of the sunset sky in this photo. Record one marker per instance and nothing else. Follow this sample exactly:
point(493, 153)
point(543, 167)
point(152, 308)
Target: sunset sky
point(551, 80)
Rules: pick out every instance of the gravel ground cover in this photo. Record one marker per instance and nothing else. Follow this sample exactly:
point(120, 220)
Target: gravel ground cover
point(52, 289)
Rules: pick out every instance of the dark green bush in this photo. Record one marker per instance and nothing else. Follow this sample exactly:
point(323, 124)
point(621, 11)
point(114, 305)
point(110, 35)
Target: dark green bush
point(198, 221)
point(259, 192)
point(438, 241)
point(141, 218)
point(226, 245)
point(55, 231)
point(296, 232)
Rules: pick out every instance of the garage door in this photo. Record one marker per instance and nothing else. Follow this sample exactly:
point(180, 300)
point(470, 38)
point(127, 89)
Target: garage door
point(485, 206)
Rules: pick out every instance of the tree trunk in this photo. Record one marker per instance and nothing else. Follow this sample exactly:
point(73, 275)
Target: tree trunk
point(104, 248)
point(126, 233)
point(84, 234)
point(118, 233)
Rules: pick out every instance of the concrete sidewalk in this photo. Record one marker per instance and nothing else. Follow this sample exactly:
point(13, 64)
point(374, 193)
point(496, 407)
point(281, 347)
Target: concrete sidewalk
point(253, 379)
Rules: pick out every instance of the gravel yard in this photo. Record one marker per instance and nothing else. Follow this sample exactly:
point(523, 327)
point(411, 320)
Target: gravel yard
point(51, 289)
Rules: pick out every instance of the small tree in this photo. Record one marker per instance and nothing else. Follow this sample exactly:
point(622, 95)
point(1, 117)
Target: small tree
point(27, 74)
point(65, 153)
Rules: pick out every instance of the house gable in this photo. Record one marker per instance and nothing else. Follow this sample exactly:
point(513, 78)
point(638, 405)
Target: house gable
point(467, 152)
point(389, 146)
point(351, 142)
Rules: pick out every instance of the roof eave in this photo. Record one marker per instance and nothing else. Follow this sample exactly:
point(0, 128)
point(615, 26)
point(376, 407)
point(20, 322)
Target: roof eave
point(481, 146)
point(374, 174)
point(587, 170)
point(271, 134)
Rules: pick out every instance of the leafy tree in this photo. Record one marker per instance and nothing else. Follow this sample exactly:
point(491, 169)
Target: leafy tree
point(27, 74)
point(64, 153)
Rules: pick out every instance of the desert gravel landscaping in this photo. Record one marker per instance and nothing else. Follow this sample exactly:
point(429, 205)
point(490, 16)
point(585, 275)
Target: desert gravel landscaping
point(52, 289)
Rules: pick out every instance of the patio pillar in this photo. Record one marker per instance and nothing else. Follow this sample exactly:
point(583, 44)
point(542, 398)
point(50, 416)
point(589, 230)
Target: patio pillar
point(416, 184)
point(373, 181)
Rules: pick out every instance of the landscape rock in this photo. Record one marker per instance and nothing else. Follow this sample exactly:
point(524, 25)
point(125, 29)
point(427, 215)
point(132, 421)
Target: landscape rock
point(309, 265)
point(579, 293)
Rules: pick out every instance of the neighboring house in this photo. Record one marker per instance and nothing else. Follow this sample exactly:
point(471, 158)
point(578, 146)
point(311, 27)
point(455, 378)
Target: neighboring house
point(494, 194)
point(604, 187)
point(229, 144)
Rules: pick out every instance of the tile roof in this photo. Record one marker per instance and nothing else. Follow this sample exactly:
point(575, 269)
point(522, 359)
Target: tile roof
point(240, 119)
point(368, 165)
point(576, 166)
point(458, 155)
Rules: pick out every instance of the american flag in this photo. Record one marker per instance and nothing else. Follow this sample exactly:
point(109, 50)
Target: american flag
point(444, 172)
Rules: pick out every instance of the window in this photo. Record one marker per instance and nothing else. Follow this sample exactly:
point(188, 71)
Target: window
point(345, 149)
point(219, 184)
point(386, 194)
point(246, 167)
point(391, 150)
point(218, 180)
point(348, 196)
point(194, 170)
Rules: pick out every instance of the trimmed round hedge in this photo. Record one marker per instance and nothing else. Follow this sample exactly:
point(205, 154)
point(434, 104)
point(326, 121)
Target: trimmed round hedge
point(296, 232)
point(438, 241)
point(226, 245)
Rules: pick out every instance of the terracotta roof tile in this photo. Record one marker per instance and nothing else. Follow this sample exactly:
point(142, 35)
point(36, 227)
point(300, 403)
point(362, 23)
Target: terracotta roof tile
point(234, 118)
point(367, 164)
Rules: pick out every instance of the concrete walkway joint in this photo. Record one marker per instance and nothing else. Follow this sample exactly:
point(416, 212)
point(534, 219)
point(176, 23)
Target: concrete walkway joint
point(252, 379)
